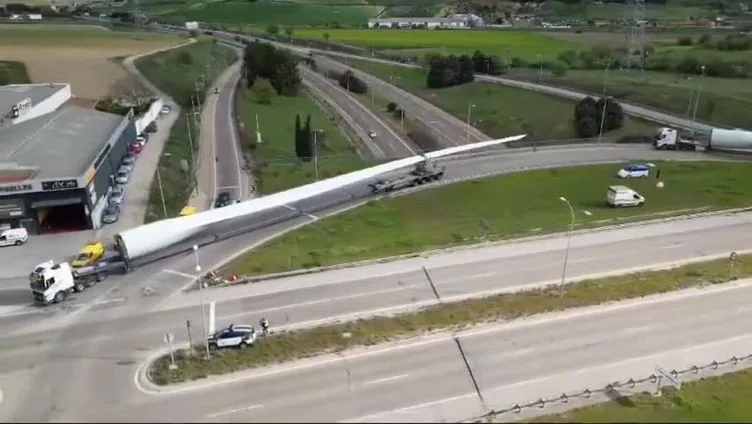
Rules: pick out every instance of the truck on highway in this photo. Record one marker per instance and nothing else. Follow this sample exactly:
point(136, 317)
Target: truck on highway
point(53, 282)
point(719, 139)
point(423, 173)
point(670, 139)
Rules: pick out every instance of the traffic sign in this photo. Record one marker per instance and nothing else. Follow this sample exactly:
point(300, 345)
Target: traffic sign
point(662, 373)
point(169, 338)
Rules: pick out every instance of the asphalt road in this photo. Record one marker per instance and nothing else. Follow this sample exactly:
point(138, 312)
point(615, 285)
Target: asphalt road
point(229, 161)
point(388, 143)
point(428, 380)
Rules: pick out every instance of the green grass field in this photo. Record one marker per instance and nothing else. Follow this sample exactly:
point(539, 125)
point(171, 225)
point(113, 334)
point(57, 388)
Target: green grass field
point(723, 101)
point(280, 168)
point(718, 399)
point(512, 206)
point(525, 44)
point(603, 10)
point(174, 74)
point(500, 111)
point(78, 35)
point(13, 73)
point(288, 346)
point(266, 12)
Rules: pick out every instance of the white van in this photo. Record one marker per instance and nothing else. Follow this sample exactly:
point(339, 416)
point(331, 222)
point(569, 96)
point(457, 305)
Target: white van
point(623, 196)
point(13, 237)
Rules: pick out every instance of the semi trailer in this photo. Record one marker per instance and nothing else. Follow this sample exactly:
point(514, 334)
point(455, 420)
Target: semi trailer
point(423, 173)
point(738, 141)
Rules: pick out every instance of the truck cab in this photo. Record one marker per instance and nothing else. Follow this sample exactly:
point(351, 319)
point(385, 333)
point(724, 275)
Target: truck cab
point(51, 282)
point(670, 139)
point(89, 254)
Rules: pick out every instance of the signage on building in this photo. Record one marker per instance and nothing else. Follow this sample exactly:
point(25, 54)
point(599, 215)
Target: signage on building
point(19, 108)
point(59, 185)
point(12, 208)
point(15, 188)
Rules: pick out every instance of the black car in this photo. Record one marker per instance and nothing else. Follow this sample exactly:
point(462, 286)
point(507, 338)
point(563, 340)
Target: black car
point(223, 199)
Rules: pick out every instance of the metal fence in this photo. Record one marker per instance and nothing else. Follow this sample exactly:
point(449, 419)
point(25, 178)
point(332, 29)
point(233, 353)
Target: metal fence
point(611, 388)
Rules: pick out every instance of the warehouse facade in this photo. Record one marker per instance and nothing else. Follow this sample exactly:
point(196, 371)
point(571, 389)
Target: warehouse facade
point(57, 160)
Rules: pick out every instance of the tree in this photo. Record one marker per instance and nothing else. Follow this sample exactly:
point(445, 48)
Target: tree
point(263, 92)
point(465, 72)
point(613, 118)
point(289, 31)
point(559, 68)
point(278, 66)
point(129, 91)
point(272, 30)
point(586, 118)
point(350, 82)
point(326, 36)
point(5, 78)
point(298, 138)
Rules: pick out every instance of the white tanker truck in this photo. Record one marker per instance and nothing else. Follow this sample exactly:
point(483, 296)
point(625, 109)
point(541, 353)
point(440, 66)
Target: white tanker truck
point(738, 141)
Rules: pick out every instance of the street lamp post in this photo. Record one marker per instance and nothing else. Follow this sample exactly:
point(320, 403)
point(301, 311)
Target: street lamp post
point(470, 107)
point(605, 100)
point(697, 98)
point(540, 72)
point(201, 299)
point(316, 154)
point(569, 243)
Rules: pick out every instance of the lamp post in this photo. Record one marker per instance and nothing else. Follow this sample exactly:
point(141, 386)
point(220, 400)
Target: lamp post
point(697, 98)
point(470, 108)
point(569, 243)
point(201, 299)
point(540, 72)
point(605, 100)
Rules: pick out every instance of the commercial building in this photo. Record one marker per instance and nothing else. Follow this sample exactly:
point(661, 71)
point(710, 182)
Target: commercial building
point(456, 21)
point(57, 160)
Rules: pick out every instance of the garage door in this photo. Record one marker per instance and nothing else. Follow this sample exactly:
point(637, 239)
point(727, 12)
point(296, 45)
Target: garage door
point(51, 203)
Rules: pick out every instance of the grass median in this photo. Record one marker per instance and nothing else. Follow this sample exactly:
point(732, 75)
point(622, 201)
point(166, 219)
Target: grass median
point(503, 207)
point(718, 399)
point(293, 345)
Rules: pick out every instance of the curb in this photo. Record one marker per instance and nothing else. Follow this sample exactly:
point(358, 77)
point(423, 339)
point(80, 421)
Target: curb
point(274, 276)
point(145, 385)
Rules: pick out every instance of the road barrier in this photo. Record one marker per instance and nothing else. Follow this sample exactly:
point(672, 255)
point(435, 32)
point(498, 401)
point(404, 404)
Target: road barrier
point(657, 379)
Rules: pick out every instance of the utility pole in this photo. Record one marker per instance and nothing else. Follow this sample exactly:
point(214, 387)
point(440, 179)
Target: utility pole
point(161, 192)
point(315, 154)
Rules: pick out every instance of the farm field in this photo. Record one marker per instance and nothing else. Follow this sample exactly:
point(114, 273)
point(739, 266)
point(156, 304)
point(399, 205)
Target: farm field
point(616, 38)
point(267, 12)
point(723, 101)
point(499, 111)
point(526, 44)
point(280, 168)
point(83, 55)
point(174, 72)
point(523, 204)
point(718, 399)
point(13, 73)
point(665, 12)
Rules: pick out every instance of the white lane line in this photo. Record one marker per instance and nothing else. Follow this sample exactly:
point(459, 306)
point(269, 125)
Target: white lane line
point(226, 187)
point(483, 275)
point(319, 301)
point(386, 379)
point(182, 274)
point(314, 217)
point(235, 411)
point(673, 246)
point(639, 329)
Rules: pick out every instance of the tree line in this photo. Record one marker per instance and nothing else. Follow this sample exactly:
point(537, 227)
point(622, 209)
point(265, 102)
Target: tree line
point(262, 60)
point(589, 116)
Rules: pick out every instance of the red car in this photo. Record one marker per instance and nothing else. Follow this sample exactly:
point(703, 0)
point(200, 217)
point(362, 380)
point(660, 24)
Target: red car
point(135, 148)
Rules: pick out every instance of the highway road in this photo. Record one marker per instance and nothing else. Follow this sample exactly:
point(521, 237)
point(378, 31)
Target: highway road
point(388, 143)
point(429, 381)
point(228, 166)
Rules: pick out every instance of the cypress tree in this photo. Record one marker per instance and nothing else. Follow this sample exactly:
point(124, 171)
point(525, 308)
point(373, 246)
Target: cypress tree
point(299, 152)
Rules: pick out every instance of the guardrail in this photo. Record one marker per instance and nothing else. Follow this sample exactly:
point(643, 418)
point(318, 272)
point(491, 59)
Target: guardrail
point(656, 378)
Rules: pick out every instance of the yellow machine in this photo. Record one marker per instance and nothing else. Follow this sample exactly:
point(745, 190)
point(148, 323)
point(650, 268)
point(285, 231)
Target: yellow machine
point(89, 254)
point(188, 210)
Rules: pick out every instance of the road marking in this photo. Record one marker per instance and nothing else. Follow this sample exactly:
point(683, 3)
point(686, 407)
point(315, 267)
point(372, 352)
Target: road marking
point(314, 217)
point(182, 274)
point(386, 379)
point(479, 276)
point(320, 301)
point(673, 246)
point(233, 138)
point(226, 187)
point(637, 329)
point(235, 411)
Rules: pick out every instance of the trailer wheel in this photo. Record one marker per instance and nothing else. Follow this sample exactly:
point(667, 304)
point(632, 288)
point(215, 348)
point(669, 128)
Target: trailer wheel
point(79, 287)
point(60, 296)
point(100, 277)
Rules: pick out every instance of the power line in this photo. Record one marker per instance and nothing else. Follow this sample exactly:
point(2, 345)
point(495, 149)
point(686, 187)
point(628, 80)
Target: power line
point(634, 19)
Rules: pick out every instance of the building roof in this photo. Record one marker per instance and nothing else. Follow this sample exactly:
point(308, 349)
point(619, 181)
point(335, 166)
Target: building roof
point(60, 144)
point(13, 94)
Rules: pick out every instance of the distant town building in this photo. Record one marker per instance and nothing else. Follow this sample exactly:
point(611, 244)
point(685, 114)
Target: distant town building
point(456, 21)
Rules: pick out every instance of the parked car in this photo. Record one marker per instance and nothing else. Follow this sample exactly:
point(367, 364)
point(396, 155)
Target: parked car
point(135, 148)
point(117, 195)
point(129, 159)
point(111, 214)
point(126, 168)
point(152, 127)
point(635, 171)
point(122, 177)
point(372, 134)
point(239, 336)
point(13, 236)
point(140, 140)
point(166, 109)
point(223, 199)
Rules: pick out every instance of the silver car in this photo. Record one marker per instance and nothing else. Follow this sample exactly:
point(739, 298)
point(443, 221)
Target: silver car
point(129, 159)
point(127, 167)
point(111, 214)
point(122, 177)
point(117, 195)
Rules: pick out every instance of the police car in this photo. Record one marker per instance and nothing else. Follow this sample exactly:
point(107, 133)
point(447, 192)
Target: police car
point(635, 171)
point(240, 336)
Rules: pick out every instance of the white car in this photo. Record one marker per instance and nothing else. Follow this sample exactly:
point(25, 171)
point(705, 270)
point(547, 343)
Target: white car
point(141, 140)
point(239, 336)
point(372, 134)
point(635, 171)
point(122, 177)
point(165, 110)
